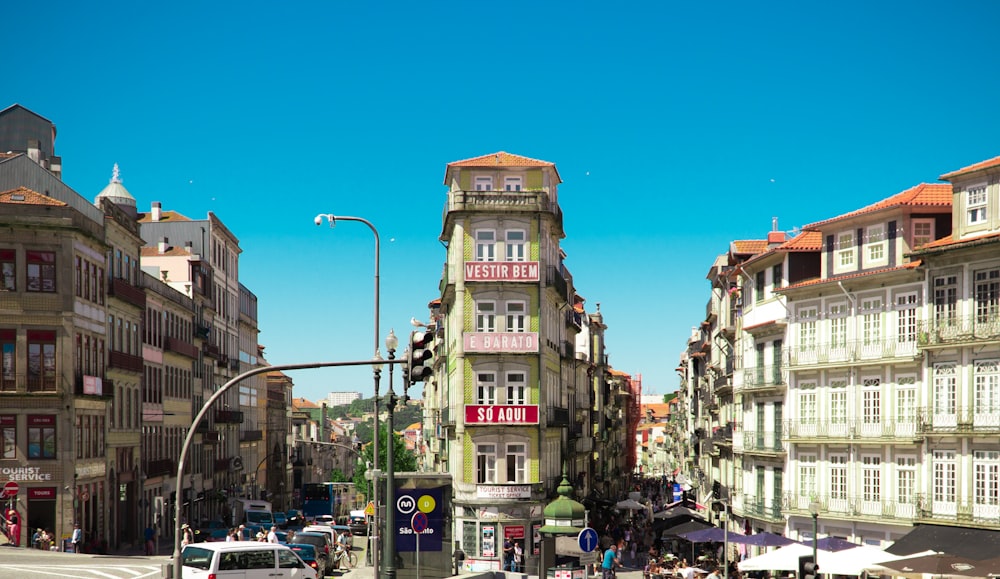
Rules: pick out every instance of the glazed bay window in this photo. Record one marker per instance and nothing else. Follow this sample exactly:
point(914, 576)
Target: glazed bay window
point(8, 269)
point(516, 317)
point(486, 245)
point(486, 463)
point(486, 388)
point(516, 388)
point(8, 436)
point(517, 463)
point(41, 270)
point(975, 205)
point(41, 361)
point(41, 436)
point(8, 360)
point(515, 242)
point(486, 317)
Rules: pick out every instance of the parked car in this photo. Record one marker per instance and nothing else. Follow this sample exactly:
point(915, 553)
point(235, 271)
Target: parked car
point(358, 523)
point(308, 554)
point(247, 560)
point(324, 548)
point(280, 519)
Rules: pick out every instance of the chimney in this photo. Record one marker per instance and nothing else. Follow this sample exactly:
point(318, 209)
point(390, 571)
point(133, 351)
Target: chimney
point(189, 247)
point(156, 212)
point(162, 246)
point(775, 237)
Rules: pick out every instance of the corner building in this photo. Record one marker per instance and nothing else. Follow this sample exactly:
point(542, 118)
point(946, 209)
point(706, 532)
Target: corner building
point(506, 397)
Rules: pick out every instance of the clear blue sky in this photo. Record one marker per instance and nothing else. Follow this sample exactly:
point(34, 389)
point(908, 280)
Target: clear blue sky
point(676, 127)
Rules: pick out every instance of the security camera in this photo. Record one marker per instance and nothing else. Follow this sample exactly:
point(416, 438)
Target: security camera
point(318, 220)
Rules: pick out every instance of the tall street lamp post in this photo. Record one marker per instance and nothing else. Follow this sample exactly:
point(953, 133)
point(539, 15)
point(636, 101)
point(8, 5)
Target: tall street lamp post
point(389, 551)
point(376, 370)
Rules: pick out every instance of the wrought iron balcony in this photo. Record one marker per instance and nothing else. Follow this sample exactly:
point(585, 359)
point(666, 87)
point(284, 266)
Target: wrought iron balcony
point(905, 429)
point(954, 330)
point(964, 512)
point(853, 507)
point(251, 435)
point(127, 292)
point(762, 508)
point(763, 443)
point(504, 201)
point(161, 467)
point(848, 351)
point(179, 346)
point(764, 378)
point(557, 416)
point(202, 331)
point(123, 361)
point(228, 417)
point(980, 419)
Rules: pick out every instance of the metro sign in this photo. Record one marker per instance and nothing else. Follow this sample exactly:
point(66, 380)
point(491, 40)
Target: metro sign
point(501, 271)
point(501, 414)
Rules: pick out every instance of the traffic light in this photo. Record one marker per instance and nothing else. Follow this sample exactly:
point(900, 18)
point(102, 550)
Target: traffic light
point(808, 567)
point(419, 357)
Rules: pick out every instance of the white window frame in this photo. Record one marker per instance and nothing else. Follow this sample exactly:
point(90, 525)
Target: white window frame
point(846, 252)
point(986, 477)
point(871, 321)
point(517, 387)
point(945, 388)
point(838, 476)
point(807, 329)
point(975, 205)
point(871, 403)
point(986, 295)
point(922, 232)
point(483, 183)
point(512, 183)
point(945, 299)
point(807, 404)
point(516, 242)
point(486, 463)
point(906, 400)
point(906, 478)
point(838, 325)
point(516, 459)
point(486, 316)
point(807, 475)
point(906, 317)
point(943, 486)
point(986, 386)
point(871, 477)
point(486, 388)
point(877, 245)
point(516, 318)
point(838, 402)
point(486, 245)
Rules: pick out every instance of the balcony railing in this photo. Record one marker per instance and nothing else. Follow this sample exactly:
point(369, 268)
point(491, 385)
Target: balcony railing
point(899, 428)
point(574, 319)
point(901, 347)
point(180, 347)
point(763, 442)
point(210, 350)
point(202, 331)
point(123, 361)
point(447, 417)
point(234, 364)
point(211, 437)
point(161, 467)
point(854, 507)
point(127, 292)
point(503, 201)
point(764, 378)
point(228, 417)
point(959, 330)
point(762, 508)
point(107, 388)
point(251, 435)
point(959, 511)
point(557, 279)
point(981, 419)
point(557, 416)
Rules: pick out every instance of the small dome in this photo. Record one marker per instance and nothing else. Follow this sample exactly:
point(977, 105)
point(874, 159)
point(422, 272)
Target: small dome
point(563, 516)
point(115, 191)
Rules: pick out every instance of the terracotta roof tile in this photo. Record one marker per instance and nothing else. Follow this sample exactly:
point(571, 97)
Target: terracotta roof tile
point(303, 403)
point(923, 195)
point(911, 265)
point(25, 196)
point(989, 163)
point(164, 216)
point(172, 251)
point(805, 241)
point(950, 240)
point(751, 246)
point(501, 159)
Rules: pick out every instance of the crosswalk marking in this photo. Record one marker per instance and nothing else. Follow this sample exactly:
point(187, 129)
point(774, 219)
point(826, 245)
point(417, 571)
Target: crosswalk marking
point(88, 571)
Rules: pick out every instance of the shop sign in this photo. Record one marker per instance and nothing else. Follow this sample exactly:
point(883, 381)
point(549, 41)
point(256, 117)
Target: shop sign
point(488, 546)
point(42, 493)
point(92, 385)
point(91, 470)
point(24, 474)
point(501, 414)
point(501, 271)
point(492, 342)
point(513, 532)
point(503, 491)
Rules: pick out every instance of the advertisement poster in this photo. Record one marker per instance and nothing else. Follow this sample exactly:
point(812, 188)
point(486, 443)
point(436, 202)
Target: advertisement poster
point(427, 501)
point(489, 541)
point(536, 539)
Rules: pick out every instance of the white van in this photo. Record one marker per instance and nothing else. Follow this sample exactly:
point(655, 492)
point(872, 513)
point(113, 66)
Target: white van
point(243, 560)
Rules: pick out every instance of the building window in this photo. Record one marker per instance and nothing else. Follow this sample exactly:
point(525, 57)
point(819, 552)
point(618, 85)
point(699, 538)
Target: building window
point(838, 476)
point(906, 479)
point(906, 400)
point(8, 435)
point(871, 478)
point(41, 361)
point(516, 318)
point(515, 245)
point(838, 402)
point(8, 269)
point(486, 463)
point(944, 389)
point(41, 436)
point(511, 183)
point(807, 475)
point(923, 233)
point(486, 388)
point(486, 317)
point(8, 360)
point(987, 296)
point(945, 299)
point(486, 241)
point(807, 404)
point(484, 183)
point(845, 250)
point(759, 284)
point(872, 401)
point(906, 318)
point(876, 244)
point(41, 271)
point(838, 326)
point(777, 273)
point(975, 205)
point(517, 461)
point(986, 376)
point(516, 388)
point(944, 476)
point(871, 322)
point(807, 330)
point(986, 465)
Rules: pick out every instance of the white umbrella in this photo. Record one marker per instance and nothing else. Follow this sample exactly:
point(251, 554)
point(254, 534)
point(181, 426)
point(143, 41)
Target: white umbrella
point(855, 560)
point(786, 559)
point(630, 504)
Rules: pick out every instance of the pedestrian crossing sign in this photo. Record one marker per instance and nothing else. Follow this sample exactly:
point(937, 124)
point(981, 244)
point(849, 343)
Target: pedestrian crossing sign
point(370, 509)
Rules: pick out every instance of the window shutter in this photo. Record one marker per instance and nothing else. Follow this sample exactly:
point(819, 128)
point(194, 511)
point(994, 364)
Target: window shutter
point(534, 180)
point(465, 181)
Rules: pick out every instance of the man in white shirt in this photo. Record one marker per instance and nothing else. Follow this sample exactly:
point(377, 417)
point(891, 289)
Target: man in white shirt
point(272, 535)
point(76, 538)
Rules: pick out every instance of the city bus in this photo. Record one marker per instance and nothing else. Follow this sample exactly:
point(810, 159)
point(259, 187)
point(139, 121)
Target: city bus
point(329, 498)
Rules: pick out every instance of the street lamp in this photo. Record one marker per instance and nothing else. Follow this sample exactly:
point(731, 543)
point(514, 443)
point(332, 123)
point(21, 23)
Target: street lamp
point(814, 511)
point(377, 369)
point(724, 519)
point(389, 552)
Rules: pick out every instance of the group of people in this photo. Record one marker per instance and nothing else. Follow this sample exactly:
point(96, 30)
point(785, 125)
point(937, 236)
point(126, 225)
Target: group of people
point(513, 556)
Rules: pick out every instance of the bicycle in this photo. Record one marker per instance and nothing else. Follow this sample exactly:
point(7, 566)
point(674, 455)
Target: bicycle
point(345, 556)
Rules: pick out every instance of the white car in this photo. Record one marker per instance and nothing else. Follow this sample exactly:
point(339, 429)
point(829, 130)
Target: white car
point(243, 560)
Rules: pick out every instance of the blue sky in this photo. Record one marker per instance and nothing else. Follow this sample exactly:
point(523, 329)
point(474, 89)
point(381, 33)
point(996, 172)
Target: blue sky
point(676, 128)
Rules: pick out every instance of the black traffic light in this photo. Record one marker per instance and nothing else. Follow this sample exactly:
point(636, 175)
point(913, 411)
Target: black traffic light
point(419, 357)
point(808, 567)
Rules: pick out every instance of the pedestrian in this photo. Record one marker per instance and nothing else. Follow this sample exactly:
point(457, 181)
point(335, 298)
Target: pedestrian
point(36, 539)
point(187, 535)
point(272, 535)
point(14, 527)
point(149, 535)
point(508, 555)
point(610, 562)
point(518, 557)
point(46, 540)
point(76, 539)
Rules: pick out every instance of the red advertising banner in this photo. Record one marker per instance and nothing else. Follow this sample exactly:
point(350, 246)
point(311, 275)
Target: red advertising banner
point(516, 342)
point(501, 271)
point(42, 493)
point(513, 532)
point(501, 414)
point(41, 419)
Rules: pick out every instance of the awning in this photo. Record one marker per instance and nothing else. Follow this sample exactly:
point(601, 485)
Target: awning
point(977, 544)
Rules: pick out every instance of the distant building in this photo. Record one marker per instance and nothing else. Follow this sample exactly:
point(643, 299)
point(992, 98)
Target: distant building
point(342, 398)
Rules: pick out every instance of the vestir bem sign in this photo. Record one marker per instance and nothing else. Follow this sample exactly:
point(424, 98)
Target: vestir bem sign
point(501, 414)
point(501, 271)
point(517, 342)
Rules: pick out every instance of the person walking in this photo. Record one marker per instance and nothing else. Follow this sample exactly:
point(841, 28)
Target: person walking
point(508, 555)
point(14, 527)
point(149, 536)
point(76, 539)
point(187, 535)
point(518, 557)
point(272, 535)
point(610, 563)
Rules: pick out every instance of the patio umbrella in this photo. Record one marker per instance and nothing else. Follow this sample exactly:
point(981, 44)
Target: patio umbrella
point(785, 559)
point(835, 544)
point(630, 504)
point(940, 564)
point(678, 512)
point(714, 535)
point(686, 527)
point(766, 539)
point(855, 560)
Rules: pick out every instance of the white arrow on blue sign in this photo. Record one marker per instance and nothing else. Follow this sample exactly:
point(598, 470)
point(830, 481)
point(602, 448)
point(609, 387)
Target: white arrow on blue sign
point(587, 539)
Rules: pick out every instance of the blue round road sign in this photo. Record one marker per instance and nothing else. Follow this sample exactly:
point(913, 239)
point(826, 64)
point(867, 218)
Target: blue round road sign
point(419, 522)
point(587, 540)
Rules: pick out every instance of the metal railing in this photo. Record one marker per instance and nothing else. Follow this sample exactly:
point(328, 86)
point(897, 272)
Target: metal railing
point(851, 351)
point(899, 428)
point(978, 419)
point(761, 508)
point(765, 377)
point(959, 330)
point(854, 507)
point(763, 442)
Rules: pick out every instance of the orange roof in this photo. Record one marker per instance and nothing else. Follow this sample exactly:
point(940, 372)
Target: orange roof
point(172, 251)
point(25, 196)
point(805, 241)
point(950, 241)
point(164, 216)
point(751, 246)
point(303, 403)
point(912, 265)
point(500, 159)
point(924, 195)
point(988, 164)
